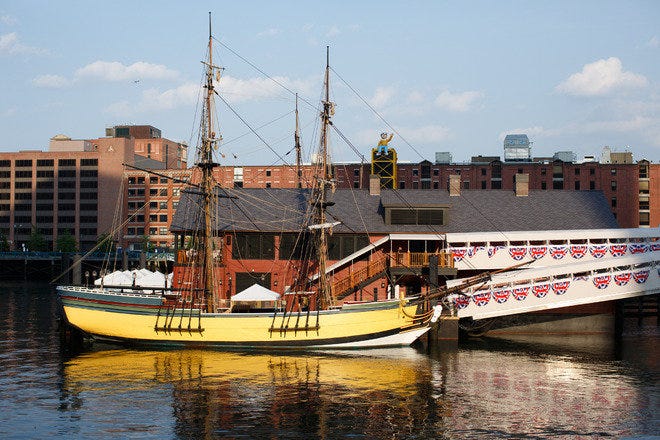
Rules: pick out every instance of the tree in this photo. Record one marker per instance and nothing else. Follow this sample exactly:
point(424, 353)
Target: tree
point(37, 241)
point(4, 244)
point(105, 243)
point(66, 242)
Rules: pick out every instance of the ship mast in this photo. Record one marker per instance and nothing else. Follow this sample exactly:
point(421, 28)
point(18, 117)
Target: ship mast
point(296, 138)
point(324, 182)
point(206, 165)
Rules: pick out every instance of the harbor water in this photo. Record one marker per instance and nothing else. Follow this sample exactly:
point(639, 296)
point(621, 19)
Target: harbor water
point(568, 387)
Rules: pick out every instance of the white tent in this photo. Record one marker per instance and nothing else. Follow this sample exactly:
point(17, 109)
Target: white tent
point(117, 278)
point(256, 293)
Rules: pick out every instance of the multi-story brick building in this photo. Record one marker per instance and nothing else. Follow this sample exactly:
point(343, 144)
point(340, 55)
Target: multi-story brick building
point(73, 187)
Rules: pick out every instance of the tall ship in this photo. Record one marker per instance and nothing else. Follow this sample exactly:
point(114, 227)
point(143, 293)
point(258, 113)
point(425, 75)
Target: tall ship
point(194, 311)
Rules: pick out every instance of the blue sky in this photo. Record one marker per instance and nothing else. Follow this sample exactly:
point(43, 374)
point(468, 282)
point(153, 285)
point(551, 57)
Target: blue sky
point(444, 75)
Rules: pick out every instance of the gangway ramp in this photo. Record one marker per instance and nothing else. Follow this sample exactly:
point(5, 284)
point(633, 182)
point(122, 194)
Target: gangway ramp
point(546, 288)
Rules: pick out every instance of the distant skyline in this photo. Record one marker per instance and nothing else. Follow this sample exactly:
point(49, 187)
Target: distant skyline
point(443, 75)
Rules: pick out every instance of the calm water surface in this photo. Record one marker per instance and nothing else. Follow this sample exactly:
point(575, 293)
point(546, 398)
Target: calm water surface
point(565, 388)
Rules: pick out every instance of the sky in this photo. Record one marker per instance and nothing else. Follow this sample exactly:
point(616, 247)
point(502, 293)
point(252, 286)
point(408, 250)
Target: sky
point(443, 76)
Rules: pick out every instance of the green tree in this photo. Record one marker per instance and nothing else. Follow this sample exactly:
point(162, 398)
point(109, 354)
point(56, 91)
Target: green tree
point(37, 241)
point(105, 243)
point(4, 244)
point(66, 242)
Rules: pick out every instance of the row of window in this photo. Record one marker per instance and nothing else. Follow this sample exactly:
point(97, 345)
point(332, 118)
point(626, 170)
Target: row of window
point(152, 231)
point(23, 163)
point(140, 180)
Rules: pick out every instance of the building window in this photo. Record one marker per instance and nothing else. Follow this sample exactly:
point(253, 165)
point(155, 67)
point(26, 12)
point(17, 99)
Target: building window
point(415, 172)
point(557, 184)
point(341, 246)
point(544, 171)
point(592, 171)
point(483, 184)
point(162, 205)
point(544, 185)
point(592, 185)
point(577, 171)
point(436, 172)
point(66, 162)
point(162, 218)
point(415, 216)
point(644, 219)
point(613, 202)
point(483, 171)
point(613, 184)
point(577, 185)
point(402, 185)
point(644, 204)
point(356, 184)
point(268, 185)
point(253, 247)
point(435, 185)
point(613, 171)
point(496, 184)
point(162, 231)
point(267, 173)
point(415, 185)
point(45, 162)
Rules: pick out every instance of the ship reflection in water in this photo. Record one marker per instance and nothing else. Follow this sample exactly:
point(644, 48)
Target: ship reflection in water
point(484, 392)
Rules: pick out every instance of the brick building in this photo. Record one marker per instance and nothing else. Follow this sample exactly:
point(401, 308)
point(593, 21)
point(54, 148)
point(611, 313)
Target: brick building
point(73, 187)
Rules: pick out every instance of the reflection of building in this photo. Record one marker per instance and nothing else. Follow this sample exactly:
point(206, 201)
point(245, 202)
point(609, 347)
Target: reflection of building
point(517, 148)
point(73, 186)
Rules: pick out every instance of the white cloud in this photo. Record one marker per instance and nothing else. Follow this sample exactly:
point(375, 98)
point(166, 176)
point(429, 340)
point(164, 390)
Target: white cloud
point(333, 32)
point(116, 71)
point(458, 102)
point(9, 20)
point(654, 41)
point(232, 89)
point(51, 81)
point(426, 134)
point(9, 112)
point(154, 100)
point(382, 97)
point(307, 27)
point(10, 44)
point(600, 78)
point(269, 33)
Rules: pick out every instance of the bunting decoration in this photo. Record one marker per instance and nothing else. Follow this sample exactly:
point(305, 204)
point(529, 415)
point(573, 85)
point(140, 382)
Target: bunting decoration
point(558, 252)
point(598, 250)
point(638, 248)
point(578, 251)
point(560, 287)
point(501, 296)
point(459, 254)
point(641, 276)
point(537, 252)
point(472, 251)
point(517, 253)
point(492, 250)
point(541, 290)
point(520, 293)
point(461, 301)
point(655, 246)
point(481, 298)
point(618, 250)
point(602, 281)
point(622, 279)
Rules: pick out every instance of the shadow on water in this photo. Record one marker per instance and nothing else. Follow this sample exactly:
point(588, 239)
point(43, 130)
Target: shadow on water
point(486, 388)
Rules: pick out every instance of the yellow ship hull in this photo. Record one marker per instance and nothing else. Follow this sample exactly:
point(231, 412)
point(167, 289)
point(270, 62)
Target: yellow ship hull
point(118, 318)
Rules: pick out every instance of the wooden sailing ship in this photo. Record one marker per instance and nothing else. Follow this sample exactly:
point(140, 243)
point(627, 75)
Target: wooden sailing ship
point(191, 312)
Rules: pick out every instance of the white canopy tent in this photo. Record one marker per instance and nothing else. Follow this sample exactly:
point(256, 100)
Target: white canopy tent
point(256, 293)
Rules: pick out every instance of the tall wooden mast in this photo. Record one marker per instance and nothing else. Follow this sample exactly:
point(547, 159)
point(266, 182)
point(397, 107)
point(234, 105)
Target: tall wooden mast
point(324, 182)
point(296, 138)
point(206, 165)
